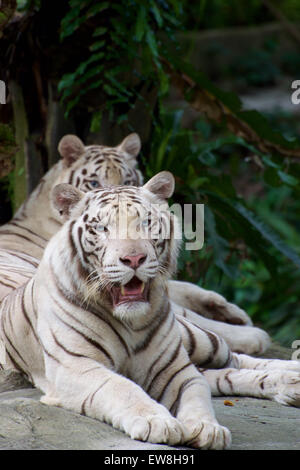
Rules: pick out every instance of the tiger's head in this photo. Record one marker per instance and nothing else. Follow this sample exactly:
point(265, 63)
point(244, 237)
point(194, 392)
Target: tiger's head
point(121, 243)
point(95, 166)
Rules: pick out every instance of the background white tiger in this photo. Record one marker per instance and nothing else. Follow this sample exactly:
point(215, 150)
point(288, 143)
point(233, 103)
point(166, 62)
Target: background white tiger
point(23, 240)
point(94, 328)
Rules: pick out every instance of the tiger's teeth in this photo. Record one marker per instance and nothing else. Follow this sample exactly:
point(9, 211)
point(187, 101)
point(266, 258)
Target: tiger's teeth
point(122, 290)
point(142, 288)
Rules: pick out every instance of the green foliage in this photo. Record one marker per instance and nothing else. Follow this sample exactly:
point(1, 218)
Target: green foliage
point(123, 51)
point(251, 252)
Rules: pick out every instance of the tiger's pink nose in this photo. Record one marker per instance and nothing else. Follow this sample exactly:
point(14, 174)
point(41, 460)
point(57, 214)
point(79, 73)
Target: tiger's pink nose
point(134, 261)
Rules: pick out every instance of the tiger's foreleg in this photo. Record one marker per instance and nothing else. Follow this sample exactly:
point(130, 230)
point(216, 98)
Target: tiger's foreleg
point(278, 385)
point(93, 390)
point(186, 393)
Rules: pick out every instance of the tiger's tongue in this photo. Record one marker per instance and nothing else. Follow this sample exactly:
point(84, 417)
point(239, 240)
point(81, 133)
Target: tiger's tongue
point(133, 291)
point(133, 287)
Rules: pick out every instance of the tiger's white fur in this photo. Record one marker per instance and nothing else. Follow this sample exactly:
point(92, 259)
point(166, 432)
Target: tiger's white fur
point(23, 240)
point(130, 363)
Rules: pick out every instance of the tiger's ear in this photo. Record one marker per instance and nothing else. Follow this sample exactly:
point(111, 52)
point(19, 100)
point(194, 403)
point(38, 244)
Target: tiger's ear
point(162, 185)
point(131, 145)
point(64, 198)
point(70, 148)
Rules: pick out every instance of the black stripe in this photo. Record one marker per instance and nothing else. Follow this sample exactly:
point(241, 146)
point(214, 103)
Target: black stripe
point(50, 355)
point(26, 314)
point(218, 386)
point(8, 232)
point(19, 256)
point(161, 354)
point(28, 230)
point(228, 380)
point(71, 177)
point(64, 348)
point(91, 397)
point(183, 387)
point(214, 341)
point(192, 341)
point(16, 366)
point(171, 379)
point(169, 362)
point(7, 285)
point(159, 321)
point(86, 338)
point(83, 252)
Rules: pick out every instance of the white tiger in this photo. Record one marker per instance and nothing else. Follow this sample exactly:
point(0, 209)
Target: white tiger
point(95, 331)
point(23, 240)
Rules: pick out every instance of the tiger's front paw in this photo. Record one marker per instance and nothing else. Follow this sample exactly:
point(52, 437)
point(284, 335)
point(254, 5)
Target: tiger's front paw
point(249, 340)
point(157, 429)
point(222, 310)
point(283, 387)
point(207, 435)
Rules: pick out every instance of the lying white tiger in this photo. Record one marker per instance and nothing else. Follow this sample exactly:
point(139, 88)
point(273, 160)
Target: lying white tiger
point(23, 240)
point(95, 331)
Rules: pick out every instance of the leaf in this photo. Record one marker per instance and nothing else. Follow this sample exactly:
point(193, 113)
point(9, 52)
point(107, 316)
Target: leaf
point(156, 14)
point(97, 45)
point(151, 41)
point(288, 179)
point(267, 233)
point(99, 31)
point(96, 121)
point(141, 23)
point(97, 8)
point(268, 161)
point(208, 158)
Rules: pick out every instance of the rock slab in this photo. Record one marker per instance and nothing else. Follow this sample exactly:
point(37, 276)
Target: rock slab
point(25, 423)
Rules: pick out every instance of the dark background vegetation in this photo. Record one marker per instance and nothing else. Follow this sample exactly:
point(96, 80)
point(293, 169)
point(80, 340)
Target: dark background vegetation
point(183, 74)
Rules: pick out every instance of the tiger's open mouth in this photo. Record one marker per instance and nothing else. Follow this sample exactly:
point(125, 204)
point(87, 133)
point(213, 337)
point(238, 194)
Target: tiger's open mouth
point(134, 291)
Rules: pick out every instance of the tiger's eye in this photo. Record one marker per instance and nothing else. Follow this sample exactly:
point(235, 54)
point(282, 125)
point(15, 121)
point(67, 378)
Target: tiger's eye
point(94, 184)
point(146, 222)
point(101, 228)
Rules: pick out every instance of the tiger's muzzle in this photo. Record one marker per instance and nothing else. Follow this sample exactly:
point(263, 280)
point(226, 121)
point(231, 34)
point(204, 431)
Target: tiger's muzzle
point(134, 291)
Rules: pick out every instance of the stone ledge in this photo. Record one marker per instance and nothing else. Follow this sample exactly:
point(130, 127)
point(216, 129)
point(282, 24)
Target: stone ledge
point(25, 423)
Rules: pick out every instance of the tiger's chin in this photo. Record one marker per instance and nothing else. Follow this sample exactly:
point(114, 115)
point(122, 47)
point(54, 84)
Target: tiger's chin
point(130, 311)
